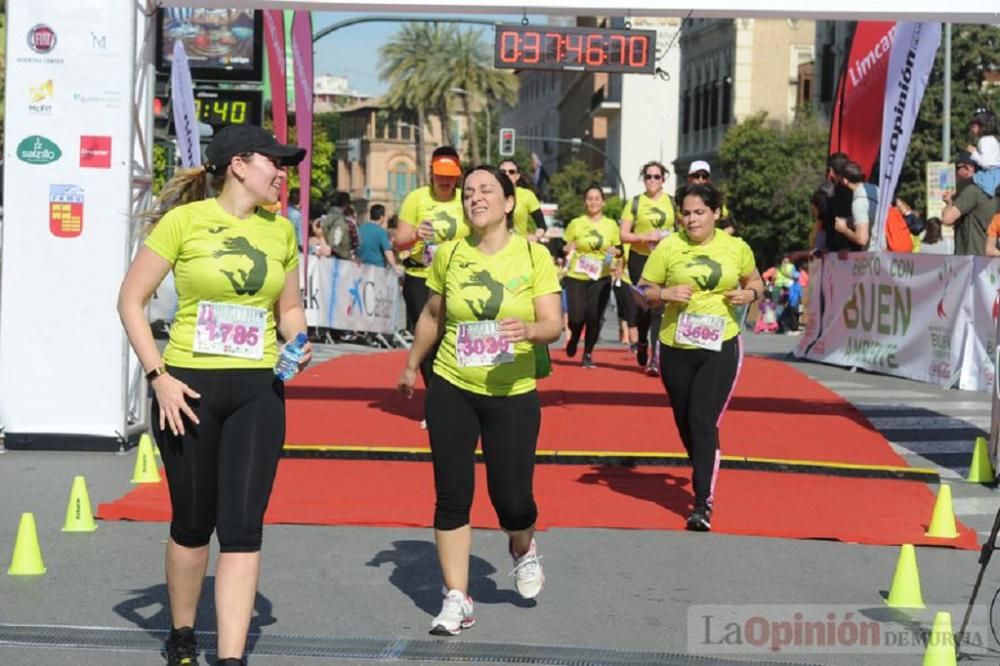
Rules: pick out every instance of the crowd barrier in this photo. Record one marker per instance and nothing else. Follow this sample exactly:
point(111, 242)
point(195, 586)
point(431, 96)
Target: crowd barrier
point(923, 317)
point(337, 294)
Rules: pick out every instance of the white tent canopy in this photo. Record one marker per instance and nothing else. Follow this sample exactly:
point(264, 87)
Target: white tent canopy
point(970, 11)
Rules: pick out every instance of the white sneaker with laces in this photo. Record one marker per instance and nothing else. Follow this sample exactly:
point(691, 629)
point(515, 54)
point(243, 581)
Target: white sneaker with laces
point(527, 572)
point(456, 614)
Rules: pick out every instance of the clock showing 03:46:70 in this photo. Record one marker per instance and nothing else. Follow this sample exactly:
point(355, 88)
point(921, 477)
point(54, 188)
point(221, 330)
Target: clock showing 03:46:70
point(575, 48)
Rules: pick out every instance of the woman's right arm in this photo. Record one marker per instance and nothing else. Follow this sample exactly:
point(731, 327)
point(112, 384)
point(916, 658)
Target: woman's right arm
point(144, 275)
point(430, 326)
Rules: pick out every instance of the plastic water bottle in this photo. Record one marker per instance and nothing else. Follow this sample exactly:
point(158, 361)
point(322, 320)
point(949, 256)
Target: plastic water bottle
point(288, 360)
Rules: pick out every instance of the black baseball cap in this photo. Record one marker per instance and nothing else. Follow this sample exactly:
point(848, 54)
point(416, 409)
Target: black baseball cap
point(233, 140)
point(965, 157)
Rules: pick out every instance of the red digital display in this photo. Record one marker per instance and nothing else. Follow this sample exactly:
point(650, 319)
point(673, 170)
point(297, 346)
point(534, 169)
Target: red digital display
point(589, 49)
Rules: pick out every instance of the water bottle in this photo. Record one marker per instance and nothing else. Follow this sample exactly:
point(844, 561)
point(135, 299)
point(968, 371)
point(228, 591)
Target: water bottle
point(288, 359)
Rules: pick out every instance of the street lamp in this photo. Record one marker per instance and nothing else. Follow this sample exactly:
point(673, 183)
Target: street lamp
point(489, 130)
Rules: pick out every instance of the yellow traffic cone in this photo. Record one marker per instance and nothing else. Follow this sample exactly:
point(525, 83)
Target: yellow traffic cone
point(942, 523)
point(145, 470)
point(27, 559)
point(981, 469)
point(79, 516)
point(905, 590)
point(149, 441)
point(941, 642)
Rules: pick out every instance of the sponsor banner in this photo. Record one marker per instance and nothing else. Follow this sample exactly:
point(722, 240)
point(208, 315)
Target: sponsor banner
point(857, 111)
point(980, 339)
point(909, 70)
point(36, 149)
point(302, 57)
point(352, 297)
point(274, 38)
point(898, 314)
point(182, 101)
point(95, 152)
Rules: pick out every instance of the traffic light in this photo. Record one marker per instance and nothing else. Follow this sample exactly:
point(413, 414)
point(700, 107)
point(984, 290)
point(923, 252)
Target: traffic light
point(506, 142)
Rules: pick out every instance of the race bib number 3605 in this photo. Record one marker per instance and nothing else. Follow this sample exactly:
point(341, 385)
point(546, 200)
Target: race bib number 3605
point(230, 330)
point(700, 330)
point(480, 343)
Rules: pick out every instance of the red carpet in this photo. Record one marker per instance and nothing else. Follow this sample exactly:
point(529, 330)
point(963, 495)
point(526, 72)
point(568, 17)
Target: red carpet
point(777, 412)
point(401, 494)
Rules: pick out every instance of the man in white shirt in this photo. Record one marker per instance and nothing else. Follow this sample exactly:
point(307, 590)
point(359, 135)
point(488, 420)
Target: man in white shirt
point(857, 229)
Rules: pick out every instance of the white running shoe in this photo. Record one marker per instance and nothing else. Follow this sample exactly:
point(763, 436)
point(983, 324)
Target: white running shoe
point(423, 424)
point(527, 572)
point(455, 615)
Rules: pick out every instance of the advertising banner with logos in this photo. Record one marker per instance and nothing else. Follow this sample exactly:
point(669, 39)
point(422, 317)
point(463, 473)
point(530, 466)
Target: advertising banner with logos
point(352, 297)
point(67, 175)
point(980, 339)
point(899, 314)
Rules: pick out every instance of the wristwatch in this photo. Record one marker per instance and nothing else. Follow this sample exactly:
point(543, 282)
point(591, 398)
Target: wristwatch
point(155, 372)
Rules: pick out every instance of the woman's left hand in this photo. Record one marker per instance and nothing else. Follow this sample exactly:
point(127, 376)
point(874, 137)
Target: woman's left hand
point(515, 330)
point(740, 296)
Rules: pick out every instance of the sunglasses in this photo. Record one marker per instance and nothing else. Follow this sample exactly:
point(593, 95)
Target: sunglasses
point(509, 172)
point(700, 175)
point(652, 176)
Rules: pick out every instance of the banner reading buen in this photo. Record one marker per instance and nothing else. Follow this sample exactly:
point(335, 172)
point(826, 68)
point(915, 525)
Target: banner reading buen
point(67, 175)
point(899, 314)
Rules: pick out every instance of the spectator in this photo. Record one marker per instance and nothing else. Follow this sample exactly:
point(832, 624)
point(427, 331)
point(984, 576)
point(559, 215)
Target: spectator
point(833, 200)
point(992, 249)
point(864, 203)
point(933, 242)
point(986, 152)
point(295, 214)
point(375, 246)
point(968, 209)
point(337, 229)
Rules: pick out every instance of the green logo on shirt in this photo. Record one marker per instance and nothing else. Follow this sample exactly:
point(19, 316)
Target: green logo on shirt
point(710, 281)
point(661, 217)
point(443, 216)
point(597, 239)
point(249, 282)
point(488, 309)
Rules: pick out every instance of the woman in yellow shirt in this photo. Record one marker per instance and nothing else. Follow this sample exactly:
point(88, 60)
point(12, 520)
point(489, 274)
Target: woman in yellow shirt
point(493, 297)
point(592, 244)
point(703, 275)
point(219, 410)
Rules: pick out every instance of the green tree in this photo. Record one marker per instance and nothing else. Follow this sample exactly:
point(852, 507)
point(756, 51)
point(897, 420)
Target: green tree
point(322, 159)
point(973, 52)
point(567, 187)
point(771, 174)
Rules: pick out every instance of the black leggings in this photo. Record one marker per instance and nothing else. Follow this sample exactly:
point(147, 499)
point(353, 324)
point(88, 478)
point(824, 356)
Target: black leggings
point(509, 428)
point(587, 300)
point(700, 383)
point(625, 304)
point(220, 472)
point(415, 295)
point(647, 321)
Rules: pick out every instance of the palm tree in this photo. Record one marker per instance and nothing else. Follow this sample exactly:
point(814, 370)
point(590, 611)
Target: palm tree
point(470, 67)
point(409, 64)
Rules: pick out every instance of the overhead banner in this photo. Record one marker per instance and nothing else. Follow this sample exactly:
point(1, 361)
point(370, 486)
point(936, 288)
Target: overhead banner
point(910, 67)
point(274, 38)
point(182, 103)
point(302, 50)
point(355, 297)
point(67, 174)
point(857, 110)
point(898, 314)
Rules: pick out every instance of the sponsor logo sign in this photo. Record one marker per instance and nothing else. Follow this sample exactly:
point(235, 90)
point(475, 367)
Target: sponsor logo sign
point(110, 99)
point(39, 98)
point(95, 152)
point(42, 39)
point(65, 210)
point(37, 149)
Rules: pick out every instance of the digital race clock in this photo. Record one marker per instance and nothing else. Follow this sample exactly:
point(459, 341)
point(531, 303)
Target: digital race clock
point(571, 48)
point(228, 107)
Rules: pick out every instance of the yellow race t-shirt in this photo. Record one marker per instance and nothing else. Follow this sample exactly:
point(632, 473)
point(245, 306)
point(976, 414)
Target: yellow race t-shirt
point(712, 269)
point(480, 287)
point(651, 215)
point(593, 240)
point(447, 218)
point(526, 204)
point(221, 258)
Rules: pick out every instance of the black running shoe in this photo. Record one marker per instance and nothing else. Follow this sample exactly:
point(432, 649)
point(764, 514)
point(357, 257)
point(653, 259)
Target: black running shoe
point(230, 661)
point(700, 519)
point(642, 355)
point(182, 647)
point(588, 362)
point(571, 346)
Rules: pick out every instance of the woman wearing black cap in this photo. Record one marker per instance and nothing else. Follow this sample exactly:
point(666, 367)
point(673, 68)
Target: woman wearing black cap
point(219, 409)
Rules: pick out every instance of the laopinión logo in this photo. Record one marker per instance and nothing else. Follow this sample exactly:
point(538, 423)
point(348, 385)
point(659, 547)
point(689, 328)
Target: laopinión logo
point(37, 149)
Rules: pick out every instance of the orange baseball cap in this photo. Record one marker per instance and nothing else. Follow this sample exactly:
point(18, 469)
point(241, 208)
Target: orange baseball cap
point(446, 165)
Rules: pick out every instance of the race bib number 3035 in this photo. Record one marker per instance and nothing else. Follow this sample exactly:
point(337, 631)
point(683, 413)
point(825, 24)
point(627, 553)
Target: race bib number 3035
point(700, 330)
point(230, 330)
point(480, 343)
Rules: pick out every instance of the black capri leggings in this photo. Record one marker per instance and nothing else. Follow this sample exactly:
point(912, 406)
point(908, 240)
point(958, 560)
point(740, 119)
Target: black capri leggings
point(509, 428)
point(220, 472)
point(587, 300)
point(625, 304)
point(700, 383)
point(647, 321)
point(415, 295)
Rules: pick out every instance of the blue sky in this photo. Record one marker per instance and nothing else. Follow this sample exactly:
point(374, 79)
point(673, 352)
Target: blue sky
point(353, 51)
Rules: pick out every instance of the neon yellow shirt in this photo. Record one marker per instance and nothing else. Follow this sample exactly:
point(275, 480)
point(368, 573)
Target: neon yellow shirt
point(221, 258)
point(712, 269)
point(593, 240)
point(527, 203)
point(479, 287)
point(652, 215)
point(447, 218)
